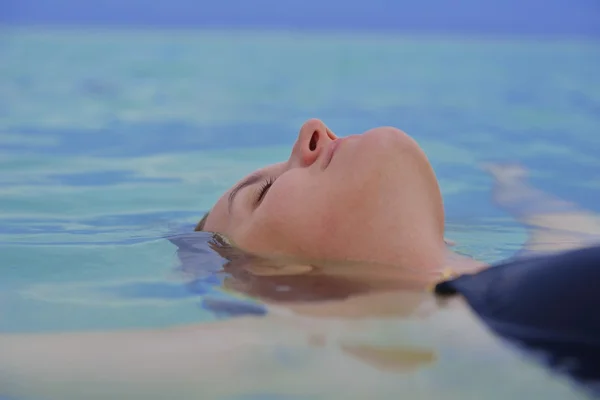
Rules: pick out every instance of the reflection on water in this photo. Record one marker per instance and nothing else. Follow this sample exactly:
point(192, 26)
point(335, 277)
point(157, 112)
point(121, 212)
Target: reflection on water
point(312, 334)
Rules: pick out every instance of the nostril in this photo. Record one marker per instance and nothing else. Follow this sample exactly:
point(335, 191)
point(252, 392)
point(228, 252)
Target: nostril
point(313, 141)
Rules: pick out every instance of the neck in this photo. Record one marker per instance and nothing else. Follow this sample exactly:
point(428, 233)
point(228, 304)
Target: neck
point(419, 252)
point(412, 267)
point(416, 267)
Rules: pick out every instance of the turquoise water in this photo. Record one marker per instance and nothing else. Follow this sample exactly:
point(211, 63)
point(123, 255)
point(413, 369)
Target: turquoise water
point(110, 140)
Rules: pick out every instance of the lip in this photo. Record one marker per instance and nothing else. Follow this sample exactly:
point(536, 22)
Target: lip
point(331, 152)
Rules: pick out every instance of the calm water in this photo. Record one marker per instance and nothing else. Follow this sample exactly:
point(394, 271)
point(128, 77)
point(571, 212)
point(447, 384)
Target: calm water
point(111, 140)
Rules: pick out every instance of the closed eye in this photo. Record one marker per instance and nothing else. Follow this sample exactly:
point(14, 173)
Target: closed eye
point(264, 188)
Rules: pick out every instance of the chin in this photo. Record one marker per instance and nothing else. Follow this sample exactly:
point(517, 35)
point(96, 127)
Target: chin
point(387, 138)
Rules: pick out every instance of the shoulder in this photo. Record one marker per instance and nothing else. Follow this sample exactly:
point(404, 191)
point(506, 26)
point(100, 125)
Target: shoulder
point(545, 303)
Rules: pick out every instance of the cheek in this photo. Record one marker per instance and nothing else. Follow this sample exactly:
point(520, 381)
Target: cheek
point(294, 219)
point(312, 216)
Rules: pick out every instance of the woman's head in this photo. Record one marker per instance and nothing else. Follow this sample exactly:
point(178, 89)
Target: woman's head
point(371, 197)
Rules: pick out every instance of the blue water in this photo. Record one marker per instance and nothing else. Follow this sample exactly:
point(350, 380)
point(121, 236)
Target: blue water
point(112, 140)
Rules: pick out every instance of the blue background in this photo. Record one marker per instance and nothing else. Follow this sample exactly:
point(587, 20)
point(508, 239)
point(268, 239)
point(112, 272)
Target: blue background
point(537, 17)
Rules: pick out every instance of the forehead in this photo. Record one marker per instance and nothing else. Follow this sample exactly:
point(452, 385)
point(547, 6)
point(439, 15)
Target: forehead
point(217, 220)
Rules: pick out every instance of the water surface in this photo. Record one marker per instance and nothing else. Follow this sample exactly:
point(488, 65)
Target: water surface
point(111, 140)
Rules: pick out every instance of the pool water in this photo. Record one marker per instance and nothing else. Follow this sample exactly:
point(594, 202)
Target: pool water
point(112, 140)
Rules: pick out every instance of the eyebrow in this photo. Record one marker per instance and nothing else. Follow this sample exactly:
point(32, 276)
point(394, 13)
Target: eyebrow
point(252, 179)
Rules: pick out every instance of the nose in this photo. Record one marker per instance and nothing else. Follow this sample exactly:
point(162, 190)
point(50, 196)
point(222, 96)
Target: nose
point(314, 136)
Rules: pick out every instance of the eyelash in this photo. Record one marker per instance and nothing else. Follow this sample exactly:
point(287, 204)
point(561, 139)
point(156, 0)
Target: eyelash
point(264, 188)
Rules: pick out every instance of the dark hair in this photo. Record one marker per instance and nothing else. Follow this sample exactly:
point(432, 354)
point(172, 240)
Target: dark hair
point(200, 226)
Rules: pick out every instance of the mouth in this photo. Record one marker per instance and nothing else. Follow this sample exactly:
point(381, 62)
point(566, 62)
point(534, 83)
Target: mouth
point(334, 147)
point(331, 152)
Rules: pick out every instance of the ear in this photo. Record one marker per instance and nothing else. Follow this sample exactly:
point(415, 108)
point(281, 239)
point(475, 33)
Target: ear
point(449, 242)
point(278, 270)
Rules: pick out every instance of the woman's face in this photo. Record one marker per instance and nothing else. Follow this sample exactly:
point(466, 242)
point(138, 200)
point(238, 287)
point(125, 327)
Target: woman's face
point(362, 197)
